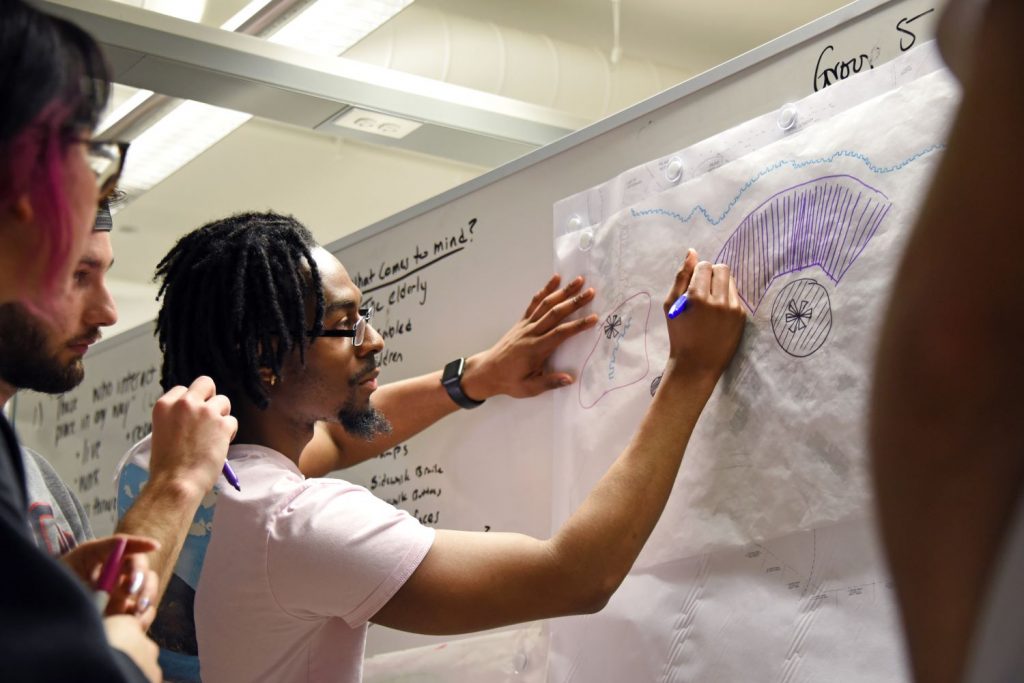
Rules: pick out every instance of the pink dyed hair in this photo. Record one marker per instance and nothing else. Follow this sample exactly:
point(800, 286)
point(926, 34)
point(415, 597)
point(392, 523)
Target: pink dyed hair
point(54, 83)
point(36, 169)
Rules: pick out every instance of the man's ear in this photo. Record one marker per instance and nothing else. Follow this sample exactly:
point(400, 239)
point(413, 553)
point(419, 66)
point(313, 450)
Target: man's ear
point(267, 376)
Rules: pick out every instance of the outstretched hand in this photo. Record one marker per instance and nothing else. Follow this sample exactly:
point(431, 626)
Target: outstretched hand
point(136, 586)
point(515, 366)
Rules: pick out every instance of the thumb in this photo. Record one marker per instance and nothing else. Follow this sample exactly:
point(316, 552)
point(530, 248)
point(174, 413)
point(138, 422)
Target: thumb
point(546, 382)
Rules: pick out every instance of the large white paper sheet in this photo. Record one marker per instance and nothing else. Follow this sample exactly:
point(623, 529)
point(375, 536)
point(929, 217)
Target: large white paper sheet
point(812, 225)
point(513, 656)
point(810, 606)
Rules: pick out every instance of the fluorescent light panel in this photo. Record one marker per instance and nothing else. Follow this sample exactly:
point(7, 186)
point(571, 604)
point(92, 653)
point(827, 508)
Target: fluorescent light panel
point(177, 138)
point(189, 10)
point(326, 27)
point(243, 15)
point(330, 27)
point(123, 100)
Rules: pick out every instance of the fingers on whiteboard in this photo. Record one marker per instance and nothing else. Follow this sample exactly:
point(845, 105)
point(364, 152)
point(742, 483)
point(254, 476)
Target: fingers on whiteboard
point(560, 305)
point(539, 297)
point(552, 298)
point(555, 324)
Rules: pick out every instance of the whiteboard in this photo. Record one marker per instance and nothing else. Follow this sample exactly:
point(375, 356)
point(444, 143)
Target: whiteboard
point(450, 275)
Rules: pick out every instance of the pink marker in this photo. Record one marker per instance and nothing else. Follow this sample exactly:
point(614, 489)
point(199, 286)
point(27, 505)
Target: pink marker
point(108, 575)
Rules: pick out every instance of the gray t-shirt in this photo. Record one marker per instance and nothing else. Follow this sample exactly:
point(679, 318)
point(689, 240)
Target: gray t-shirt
point(56, 517)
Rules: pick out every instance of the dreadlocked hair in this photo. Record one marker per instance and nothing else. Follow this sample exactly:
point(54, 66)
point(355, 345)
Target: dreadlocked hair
point(234, 300)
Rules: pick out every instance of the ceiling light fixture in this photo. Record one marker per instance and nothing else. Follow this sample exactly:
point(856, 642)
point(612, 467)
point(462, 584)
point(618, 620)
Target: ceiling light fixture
point(330, 27)
point(366, 121)
point(125, 107)
point(177, 138)
point(189, 10)
point(327, 27)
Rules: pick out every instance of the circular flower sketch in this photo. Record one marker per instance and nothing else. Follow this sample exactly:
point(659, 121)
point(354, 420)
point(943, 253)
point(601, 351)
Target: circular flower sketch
point(802, 317)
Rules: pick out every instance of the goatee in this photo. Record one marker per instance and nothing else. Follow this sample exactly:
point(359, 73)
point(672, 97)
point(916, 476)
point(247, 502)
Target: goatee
point(368, 422)
point(365, 424)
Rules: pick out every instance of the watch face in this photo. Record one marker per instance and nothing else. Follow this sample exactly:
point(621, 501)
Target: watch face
point(452, 372)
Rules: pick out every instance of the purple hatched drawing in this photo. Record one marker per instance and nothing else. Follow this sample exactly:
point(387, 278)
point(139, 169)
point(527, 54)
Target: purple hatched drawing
point(826, 222)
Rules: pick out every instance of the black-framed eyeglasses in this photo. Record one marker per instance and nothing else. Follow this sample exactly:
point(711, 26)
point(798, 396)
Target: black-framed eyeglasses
point(357, 331)
point(106, 158)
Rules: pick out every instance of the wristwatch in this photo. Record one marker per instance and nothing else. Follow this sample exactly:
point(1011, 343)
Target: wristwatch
point(452, 381)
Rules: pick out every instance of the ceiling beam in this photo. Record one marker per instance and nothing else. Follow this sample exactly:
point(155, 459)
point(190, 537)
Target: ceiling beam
point(182, 59)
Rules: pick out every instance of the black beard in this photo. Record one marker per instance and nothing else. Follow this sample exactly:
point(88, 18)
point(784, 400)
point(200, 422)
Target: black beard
point(368, 422)
point(23, 360)
point(365, 424)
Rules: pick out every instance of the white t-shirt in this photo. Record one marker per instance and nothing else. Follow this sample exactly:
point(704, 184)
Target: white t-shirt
point(294, 570)
point(997, 656)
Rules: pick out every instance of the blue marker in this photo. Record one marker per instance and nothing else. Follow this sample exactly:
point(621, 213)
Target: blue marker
point(678, 307)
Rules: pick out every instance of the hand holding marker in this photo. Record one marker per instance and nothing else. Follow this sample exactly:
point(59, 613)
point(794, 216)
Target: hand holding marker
point(108, 574)
point(677, 307)
point(230, 475)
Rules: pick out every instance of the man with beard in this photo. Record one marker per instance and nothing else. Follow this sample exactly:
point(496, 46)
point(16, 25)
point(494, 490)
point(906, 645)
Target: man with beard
point(48, 358)
point(296, 567)
point(54, 84)
point(235, 250)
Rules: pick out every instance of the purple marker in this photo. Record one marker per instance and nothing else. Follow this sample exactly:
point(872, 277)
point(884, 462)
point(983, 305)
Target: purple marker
point(229, 474)
point(677, 307)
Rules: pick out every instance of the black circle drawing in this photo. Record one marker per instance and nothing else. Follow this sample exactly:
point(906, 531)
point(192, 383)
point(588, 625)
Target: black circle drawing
point(612, 326)
point(802, 317)
point(654, 385)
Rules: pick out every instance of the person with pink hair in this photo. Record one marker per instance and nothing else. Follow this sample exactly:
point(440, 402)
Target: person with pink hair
point(54, 84)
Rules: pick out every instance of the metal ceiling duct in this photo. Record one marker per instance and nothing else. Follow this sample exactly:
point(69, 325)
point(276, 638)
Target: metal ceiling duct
point(531, 67)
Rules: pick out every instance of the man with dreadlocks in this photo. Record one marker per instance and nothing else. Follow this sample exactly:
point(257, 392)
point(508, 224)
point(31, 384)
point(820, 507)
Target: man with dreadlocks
point(298, 566)
point(259, 259)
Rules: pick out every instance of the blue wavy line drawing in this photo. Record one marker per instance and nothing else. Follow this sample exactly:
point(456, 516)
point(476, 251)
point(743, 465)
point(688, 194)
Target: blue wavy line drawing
point(779, 165)
point(825, 222)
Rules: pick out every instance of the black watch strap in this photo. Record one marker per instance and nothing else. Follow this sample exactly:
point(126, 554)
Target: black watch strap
point(451, 378)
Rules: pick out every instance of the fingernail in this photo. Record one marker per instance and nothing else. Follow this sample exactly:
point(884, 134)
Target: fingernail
point(565, 381)
point(142, 606)
point(137, 578)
